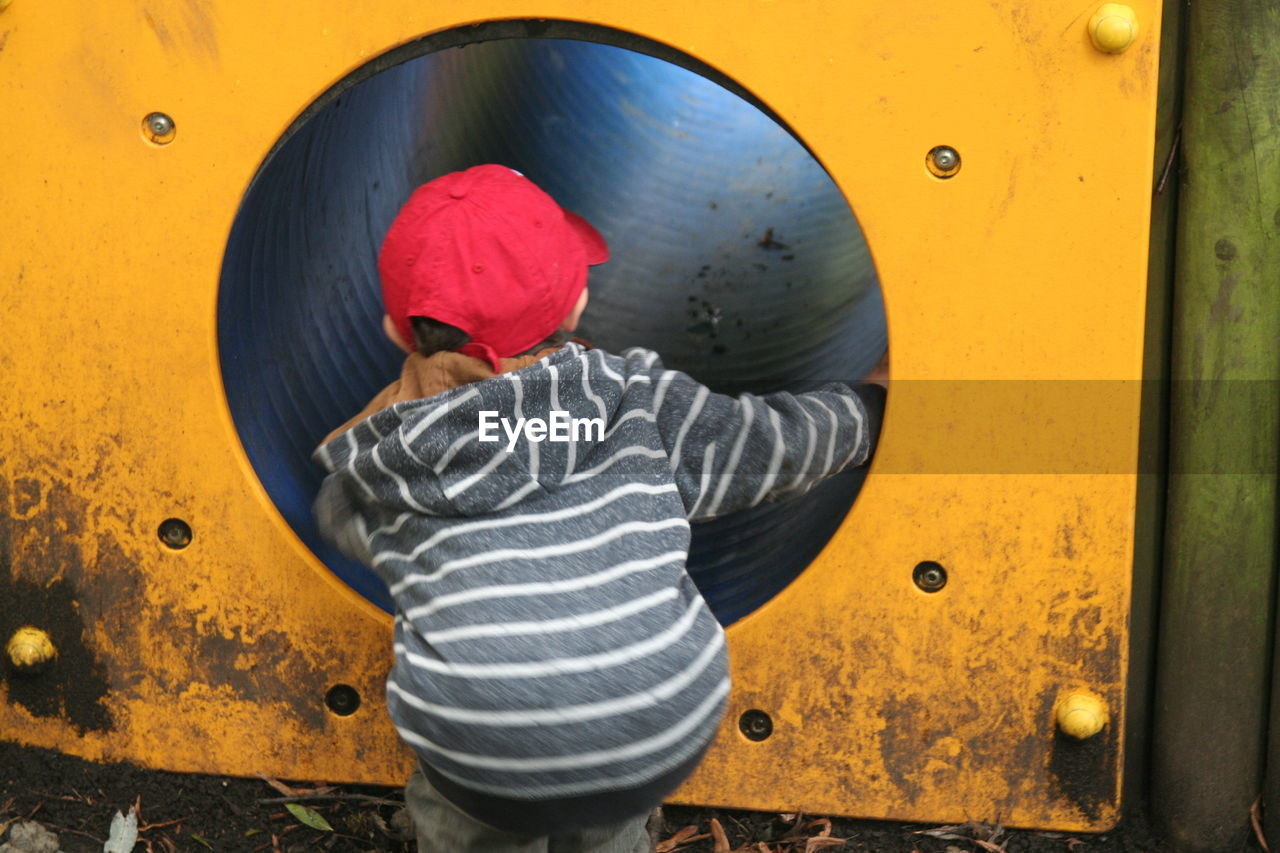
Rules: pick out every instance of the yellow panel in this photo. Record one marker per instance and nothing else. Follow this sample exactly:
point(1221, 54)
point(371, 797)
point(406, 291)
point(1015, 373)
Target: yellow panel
point(886, 701)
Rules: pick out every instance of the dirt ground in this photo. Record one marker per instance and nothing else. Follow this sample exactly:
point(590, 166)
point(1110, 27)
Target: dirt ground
point(76, 800)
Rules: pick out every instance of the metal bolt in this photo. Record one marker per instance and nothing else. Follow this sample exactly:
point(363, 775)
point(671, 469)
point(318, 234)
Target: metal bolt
point(756, 725)
point(1113, 28)
point(159, 128)
point(1081, 715)
point(943, 161)
point(175, 533)
point(30, 649)
point(930, 576)
point(342, 699)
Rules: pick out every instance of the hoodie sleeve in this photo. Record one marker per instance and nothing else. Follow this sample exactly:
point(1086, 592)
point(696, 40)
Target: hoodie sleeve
point(731, 453)
point(339, 520)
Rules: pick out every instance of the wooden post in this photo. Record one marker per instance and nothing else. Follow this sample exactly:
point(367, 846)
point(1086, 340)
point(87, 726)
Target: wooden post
point(1218, 585)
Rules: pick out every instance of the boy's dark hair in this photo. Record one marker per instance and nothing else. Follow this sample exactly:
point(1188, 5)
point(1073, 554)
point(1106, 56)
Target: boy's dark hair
point(432, 336)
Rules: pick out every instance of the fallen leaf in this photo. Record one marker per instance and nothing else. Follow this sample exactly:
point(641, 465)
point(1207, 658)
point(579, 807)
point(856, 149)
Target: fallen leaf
point(818, 842)
point(199, 839)
point(31, 836)
point(824, 823)
point(310, 817)
point(722, 840)
point(797, 827)
point(123, 834)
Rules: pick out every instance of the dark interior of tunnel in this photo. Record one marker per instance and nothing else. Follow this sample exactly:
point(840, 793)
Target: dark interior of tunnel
point(735, 256)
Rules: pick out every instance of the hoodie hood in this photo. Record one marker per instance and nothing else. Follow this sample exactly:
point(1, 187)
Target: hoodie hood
point(479, 445)
point(425, 376)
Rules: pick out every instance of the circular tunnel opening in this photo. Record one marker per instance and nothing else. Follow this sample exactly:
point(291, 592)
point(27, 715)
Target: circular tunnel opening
point(734, 255)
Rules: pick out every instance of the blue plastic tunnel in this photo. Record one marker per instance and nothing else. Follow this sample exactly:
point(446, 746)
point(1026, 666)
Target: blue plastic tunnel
point(734, 256)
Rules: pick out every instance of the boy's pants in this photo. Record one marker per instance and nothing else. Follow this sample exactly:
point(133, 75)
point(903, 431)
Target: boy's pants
point(442, 827)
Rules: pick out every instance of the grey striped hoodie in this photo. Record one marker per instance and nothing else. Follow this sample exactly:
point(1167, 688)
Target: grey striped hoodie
point(548, 640)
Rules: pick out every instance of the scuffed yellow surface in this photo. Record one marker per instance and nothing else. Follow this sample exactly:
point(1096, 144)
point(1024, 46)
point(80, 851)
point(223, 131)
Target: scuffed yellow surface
point(886, 701)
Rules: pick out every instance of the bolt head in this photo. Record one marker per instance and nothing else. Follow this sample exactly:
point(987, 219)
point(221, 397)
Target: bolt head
point(755, 724)
point(1081, 715)
point(943, 161)
point(30, 649)
point(343, 700)
point(175, 533)
point(159, 128)
point(1113, 28)
point(929, 576)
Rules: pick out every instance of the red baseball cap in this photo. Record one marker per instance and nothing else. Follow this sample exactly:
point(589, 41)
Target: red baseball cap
point(487, 251)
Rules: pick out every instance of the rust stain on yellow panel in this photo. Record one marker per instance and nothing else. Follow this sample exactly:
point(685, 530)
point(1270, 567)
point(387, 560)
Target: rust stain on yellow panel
point(886, 701)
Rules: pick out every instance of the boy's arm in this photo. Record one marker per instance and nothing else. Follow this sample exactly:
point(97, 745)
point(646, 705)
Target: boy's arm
point(729, 453)
point(339, 520)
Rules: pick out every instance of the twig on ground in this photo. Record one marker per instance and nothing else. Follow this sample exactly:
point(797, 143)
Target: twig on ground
point(8, 804)
point(324, 798)
point(685, 835)
point(59, 829)
point(947, 833)
point(818, 842)
point(1255, 817)
point(295, 792)
point(983, 835)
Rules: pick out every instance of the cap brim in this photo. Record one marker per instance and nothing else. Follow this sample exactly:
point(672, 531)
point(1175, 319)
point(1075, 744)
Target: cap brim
point(592, 243)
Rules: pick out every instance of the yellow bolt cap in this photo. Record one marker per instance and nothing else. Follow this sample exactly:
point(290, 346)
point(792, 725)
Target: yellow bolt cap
point(1081, 715)
point(30, 648)
point(1113, 28)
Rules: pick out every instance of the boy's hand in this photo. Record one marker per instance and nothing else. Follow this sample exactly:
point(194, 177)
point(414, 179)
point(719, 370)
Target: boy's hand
point(879, 374)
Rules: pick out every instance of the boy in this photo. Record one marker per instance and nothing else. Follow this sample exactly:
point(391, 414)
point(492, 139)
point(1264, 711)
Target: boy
point(557, 672)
